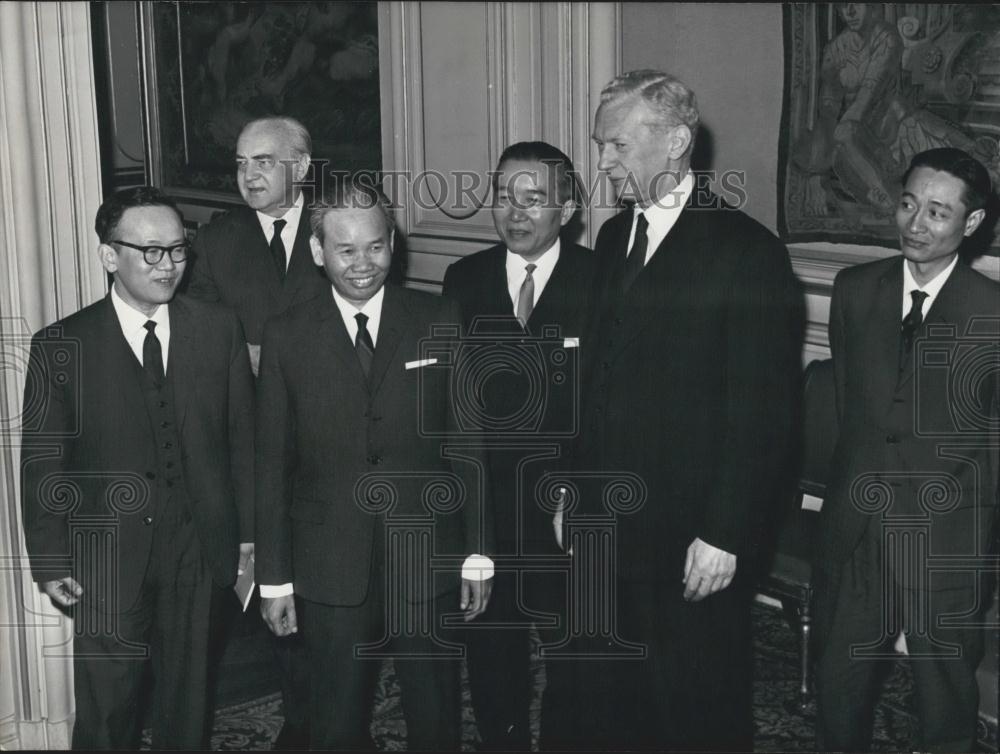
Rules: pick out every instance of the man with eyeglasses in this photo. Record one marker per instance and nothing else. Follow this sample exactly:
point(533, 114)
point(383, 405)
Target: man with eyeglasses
point(257, 260)
point(137, 478)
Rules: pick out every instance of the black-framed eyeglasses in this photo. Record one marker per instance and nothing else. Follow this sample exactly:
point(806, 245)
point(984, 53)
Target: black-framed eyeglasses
point(153, 254)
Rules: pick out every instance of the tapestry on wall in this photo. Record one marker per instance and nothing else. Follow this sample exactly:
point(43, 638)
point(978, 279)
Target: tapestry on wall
point(213, 66)
point(867, 86)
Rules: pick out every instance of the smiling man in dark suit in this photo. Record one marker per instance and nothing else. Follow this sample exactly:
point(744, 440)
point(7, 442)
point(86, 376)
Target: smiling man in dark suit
point(530, 284)
point(691, 362)
point(256, 259)
point(137, 478)
point(352, 441)
point(916, 350)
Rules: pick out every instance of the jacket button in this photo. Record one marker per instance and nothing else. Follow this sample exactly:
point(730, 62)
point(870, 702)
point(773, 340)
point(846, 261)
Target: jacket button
point(168, 445)
point(162, 404)
point(605, 365)
point(164, 425)
point(148, 520)
point(891, 439)
point(374, 460)
point(150, 475)
point(618, 321)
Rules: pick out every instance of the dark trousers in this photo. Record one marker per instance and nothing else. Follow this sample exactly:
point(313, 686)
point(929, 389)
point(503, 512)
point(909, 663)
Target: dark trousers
point(293, 666)
point(342, 688)
point(691, 689)
point(853, 610)
point(498, 646)
point(167, 627)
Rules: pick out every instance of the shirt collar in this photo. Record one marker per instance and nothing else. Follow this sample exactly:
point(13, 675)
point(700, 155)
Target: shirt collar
point(291, 216)
point(932, 288)
point(372, 309)
point(663, 213)
point(133, 321)
point(544, 265)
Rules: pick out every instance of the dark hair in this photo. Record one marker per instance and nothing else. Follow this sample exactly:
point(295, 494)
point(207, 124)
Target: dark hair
point(349, 194)
point(963, 166)
point(112, 209)
point(545, 153)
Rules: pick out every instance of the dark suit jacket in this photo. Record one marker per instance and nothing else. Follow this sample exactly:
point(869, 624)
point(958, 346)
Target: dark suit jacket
point(233, 264)
point(87, 431)
point(691, 384)
point(902, 434)
point(323, 429)
point(551, 415)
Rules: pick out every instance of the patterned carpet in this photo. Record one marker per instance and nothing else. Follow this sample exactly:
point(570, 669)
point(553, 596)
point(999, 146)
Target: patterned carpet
point(780, 725)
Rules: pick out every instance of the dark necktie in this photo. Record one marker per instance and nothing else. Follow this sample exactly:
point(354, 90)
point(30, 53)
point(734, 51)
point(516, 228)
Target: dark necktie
point(911, 322)
point(526, 296)
point(152, 356)
point(278, 248)
point(363, 343)
point(636, 259)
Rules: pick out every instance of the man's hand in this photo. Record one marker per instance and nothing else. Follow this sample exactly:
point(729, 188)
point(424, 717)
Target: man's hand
point(707, 570)
point(254, 357)
point(246, 555)
point(65, 591)
point(475, 597)
point(279, 615)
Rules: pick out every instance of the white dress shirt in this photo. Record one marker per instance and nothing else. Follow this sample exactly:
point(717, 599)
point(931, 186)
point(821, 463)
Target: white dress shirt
point(372, 309)
point(932, 288)
point(291, 218)
point(662, 215)
point(475, 567)
point(516, 270)
point(133, 323)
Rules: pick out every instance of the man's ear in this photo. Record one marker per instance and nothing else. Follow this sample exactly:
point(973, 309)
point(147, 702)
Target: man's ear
point(974, 220)
point(301, 167)
point(317, 250)
point(109, 257)
point(679, 141)
point(568, 208)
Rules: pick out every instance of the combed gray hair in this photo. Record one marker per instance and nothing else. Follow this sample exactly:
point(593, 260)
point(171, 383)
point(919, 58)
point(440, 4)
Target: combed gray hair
point(668, 97)
point(349, 194)
point(299, 139)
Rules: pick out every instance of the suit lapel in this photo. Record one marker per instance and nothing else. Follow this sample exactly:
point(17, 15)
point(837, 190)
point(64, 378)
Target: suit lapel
point(669, 268)
point(885, 320)
point(389, 335)
point(333, 335)
point(181, 360)
point(300, 264)
point(946, 309)
point(118, 369)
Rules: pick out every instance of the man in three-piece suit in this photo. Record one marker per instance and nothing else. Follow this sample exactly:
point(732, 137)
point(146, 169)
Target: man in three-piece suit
point(531, 285)
point(256, 259)
point(352, 453)
point(915, 342)
point(137, 478)
point(691, 365)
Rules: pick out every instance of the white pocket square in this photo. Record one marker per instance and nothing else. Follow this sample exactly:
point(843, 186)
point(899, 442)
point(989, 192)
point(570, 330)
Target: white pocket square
point(571, 342)
point(420, 363)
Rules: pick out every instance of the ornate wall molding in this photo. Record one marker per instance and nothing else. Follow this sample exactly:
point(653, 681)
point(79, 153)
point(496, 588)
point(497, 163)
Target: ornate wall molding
point(452, 103)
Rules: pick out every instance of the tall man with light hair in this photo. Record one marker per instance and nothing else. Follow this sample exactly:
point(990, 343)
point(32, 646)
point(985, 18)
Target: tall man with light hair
point(256, 259)
point(691, 360)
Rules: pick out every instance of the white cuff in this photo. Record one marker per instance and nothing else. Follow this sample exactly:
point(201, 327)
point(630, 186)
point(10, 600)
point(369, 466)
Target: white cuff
point(477, 568)
point(271, 591)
